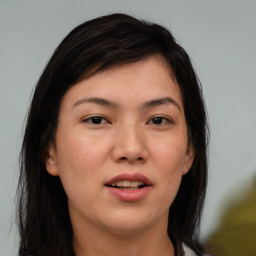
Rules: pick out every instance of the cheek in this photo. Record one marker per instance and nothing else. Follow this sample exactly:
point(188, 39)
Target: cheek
point(78, 153)
point(78, 164)
point(170, 156)
point(170, 160)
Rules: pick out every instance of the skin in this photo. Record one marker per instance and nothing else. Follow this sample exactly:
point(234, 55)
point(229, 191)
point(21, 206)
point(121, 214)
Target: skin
point(127, 139)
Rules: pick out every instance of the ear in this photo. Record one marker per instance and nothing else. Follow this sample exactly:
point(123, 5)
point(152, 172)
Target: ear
point(51, 160)
point(190, 155)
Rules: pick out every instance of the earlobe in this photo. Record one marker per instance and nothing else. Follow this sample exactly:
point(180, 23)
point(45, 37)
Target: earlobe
point(190, 155)
point(51, 160)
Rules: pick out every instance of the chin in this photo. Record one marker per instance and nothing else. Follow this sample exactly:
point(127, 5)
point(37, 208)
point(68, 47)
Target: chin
point(128, 222)
point(127, 228)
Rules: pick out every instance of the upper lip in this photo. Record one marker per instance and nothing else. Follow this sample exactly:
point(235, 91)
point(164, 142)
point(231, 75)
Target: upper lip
point(131, 177)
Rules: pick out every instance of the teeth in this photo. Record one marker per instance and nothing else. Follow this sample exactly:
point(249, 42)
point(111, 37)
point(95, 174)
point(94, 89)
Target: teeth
point(119, 183)
point(127, 184)
point(134, 184)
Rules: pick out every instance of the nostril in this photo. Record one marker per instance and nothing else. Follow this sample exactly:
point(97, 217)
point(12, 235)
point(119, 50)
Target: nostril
point(127, 159)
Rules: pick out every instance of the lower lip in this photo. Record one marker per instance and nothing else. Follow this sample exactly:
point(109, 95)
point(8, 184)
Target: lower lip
point(129, 195)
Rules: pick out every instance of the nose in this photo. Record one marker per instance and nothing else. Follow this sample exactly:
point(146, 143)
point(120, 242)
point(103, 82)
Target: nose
point(130, 145)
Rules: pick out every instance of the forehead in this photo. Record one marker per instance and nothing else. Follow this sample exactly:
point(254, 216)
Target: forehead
point(133, 82)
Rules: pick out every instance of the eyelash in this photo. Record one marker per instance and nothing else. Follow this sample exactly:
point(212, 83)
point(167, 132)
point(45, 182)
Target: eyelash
point(162, 118)
point(155, 118)
point(89, 120)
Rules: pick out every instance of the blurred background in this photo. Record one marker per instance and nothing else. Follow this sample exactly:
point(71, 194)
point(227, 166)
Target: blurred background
point(220, 37)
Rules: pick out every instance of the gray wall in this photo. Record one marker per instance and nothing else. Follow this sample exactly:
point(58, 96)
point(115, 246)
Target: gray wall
point(220, 36)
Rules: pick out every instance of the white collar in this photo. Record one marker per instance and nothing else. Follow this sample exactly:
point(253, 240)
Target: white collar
point(188, 251)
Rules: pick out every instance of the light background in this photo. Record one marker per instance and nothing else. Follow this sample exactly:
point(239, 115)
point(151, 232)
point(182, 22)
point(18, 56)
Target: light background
point(220, 37)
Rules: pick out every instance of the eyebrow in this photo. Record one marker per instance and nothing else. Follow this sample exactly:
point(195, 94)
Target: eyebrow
point(147, 104)
point(161, 101)
point(96, 100)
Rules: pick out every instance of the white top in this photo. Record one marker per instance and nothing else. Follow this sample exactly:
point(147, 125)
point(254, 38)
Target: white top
point(188, 251)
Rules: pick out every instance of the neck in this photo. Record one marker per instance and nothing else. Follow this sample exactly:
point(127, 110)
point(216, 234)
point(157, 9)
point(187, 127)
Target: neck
point(150, 242)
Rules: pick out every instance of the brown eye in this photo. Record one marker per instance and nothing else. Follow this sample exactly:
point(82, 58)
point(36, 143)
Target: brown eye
point(97, 120)
point(159, 120)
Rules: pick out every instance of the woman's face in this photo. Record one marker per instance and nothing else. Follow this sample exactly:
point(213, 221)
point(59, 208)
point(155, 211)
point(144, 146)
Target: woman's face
point(121, 147)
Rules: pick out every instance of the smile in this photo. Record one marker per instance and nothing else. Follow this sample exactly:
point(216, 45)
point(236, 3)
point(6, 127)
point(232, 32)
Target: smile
point(129, 187)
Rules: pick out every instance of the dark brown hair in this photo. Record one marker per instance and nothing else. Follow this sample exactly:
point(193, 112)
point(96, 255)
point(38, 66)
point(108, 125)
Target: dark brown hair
point(44, 222)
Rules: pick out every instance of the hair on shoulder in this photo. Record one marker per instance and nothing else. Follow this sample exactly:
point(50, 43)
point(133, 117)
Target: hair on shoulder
point(96, 45)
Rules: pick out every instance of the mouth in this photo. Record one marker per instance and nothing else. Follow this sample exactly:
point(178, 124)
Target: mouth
point(127, 185)
point(129, 181)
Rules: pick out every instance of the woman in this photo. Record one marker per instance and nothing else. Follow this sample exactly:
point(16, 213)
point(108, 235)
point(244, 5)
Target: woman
point(114, 157)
